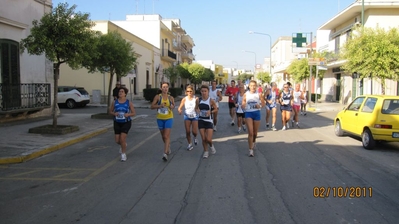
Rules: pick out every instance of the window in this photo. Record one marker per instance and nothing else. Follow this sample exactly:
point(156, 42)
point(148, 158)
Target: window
point(369, 105)
point(9, 62)
point(355, 105)
point(390, 107)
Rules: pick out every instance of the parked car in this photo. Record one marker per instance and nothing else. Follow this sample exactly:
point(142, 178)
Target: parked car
point(374, 118)
point(72, 96)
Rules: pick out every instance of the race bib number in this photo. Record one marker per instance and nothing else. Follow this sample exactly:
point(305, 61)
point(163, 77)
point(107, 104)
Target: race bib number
point(286, 102)
point(203, 113)
point(191, 115)
point(120, 116)
point(163, 110)
point(252, 105)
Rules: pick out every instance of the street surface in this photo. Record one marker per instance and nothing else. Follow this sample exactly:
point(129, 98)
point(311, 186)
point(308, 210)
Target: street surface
point(305, 175)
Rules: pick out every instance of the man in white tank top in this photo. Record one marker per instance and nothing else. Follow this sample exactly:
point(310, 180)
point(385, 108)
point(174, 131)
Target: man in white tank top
point(216, 95)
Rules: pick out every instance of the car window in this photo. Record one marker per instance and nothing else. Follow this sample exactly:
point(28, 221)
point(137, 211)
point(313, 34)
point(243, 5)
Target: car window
point(82, 91)
point(355, 105)
point(390, 107)
point(369, 105)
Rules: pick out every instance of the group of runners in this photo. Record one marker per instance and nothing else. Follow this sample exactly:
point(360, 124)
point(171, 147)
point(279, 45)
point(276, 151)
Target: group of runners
point(201, 113)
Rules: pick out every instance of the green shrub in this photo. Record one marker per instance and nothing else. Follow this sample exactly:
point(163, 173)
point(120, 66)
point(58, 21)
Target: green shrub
point(312, 97)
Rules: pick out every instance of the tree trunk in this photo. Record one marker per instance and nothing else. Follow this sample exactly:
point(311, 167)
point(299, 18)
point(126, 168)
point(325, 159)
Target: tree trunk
point(111, 78)
point(55, 89)
point(383, 87)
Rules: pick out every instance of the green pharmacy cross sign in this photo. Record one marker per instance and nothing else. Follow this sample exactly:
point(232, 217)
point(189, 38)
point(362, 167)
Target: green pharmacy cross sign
point(298, 39)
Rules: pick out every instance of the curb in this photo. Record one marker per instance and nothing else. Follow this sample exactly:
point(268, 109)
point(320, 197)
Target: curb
point(47, 150)
point(21, 159)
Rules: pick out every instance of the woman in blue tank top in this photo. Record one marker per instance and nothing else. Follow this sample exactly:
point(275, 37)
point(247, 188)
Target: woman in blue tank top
point(286, 101)
point(122, 110)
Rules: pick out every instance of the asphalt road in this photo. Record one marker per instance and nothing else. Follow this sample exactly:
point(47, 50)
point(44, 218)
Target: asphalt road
point(305, 175)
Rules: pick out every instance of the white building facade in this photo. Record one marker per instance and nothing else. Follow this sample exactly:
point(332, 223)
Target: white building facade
point(26, 80)
point(339, 85)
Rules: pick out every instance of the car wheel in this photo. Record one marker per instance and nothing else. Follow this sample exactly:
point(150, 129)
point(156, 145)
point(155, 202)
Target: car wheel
point(71, 104)
point(337, 129)
point(367, 139)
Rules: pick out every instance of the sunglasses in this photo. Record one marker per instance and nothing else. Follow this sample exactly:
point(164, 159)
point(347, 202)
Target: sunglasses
point(189, 91)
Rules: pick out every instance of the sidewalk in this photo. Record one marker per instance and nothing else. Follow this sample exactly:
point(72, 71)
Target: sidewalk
point(17, 145)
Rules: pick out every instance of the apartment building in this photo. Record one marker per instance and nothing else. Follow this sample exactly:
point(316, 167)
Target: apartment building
point(339, 85)
point(166, 34)
point(282, 56)
point(25, 80)
point(143, 75)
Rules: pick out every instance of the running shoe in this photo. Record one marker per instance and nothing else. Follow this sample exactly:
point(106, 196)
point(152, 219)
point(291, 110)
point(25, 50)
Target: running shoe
point(267, 125)
point(304, 113)
point(288, 125)
point(214, 128)
point(206, 154)
point(123, 157)
point(244, 127)
point(251, 153)
point(301, 113)
point(190, 147)
point(195, 141)
point(213, 150)
point(239, 130)
point(165, 157)
point(283, 129)
point(232, 123)
point(274, 128)
point(297, 125)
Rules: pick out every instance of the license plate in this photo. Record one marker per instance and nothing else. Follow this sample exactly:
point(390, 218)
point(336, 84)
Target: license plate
point(395, 134)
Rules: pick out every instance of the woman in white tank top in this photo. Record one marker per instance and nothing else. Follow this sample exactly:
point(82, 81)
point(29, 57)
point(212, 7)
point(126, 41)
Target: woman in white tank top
point(190, 116)
point(252, 102)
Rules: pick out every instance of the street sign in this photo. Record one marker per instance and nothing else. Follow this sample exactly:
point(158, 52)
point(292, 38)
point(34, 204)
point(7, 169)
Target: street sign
point(320, 67)
point(316, 61)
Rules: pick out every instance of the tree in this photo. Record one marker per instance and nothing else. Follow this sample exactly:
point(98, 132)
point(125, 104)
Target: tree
point(172, 73)
point(373, 53)
point(115, 55)
point(264, 77)
point(243, 77)
point(183, 70)
point(208, 75)
point(64, 36)
point(197, 71)
point(299, 69)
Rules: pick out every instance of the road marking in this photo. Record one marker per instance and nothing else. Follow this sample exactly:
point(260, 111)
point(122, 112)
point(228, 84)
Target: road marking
point(98, 171)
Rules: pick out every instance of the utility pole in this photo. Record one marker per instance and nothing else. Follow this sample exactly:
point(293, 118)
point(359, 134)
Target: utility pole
point(310, 71)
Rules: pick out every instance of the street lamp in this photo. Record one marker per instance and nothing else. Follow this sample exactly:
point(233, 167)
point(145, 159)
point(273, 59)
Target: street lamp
point(255, 58)
point(270, 50)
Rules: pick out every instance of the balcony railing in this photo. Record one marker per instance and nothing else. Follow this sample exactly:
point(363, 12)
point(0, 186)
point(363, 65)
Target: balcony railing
point(21, 97)
point(168, 53)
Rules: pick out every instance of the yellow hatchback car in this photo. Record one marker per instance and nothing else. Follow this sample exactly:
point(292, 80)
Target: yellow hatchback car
point(374, 118)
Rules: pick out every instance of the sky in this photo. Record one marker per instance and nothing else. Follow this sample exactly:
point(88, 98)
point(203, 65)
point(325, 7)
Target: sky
point(220, 28)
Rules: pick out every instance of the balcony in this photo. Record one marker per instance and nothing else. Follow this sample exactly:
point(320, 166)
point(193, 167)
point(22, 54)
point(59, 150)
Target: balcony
point(177, 46)
point(187, 55)
point(168, 55)
point(188, 41)
point(24, 97)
